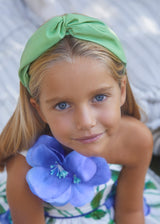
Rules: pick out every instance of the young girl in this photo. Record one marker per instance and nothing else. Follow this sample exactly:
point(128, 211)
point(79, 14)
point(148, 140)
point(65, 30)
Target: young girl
point(74, 86)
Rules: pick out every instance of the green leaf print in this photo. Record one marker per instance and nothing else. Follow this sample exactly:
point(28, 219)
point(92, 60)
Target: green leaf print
point(155, 206)
point(111, 222)
point(98, 214)
point(150, 185)
point(2, 210)
point(5, 199)
point(115, 175)
point(50, 221)
point(96, 200)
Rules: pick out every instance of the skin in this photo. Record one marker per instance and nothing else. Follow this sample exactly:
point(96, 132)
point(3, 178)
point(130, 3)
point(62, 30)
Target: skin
point(84, 114)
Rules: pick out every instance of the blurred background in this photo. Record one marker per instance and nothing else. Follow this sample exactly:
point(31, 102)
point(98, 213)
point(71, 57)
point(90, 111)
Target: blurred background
point(137, 23)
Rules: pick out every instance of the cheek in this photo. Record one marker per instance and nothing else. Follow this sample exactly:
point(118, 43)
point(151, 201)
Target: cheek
point(110, 117)
point(60, 127)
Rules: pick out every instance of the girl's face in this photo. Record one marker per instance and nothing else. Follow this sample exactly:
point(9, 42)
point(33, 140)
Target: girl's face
point(81, 103)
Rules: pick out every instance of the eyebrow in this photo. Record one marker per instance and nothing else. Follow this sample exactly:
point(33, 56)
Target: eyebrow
point(57, 99)
point(102, 89)
point(94, 92)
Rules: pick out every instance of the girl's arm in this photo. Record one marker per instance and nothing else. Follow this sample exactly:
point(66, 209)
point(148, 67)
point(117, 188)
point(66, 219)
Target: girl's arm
point(24, 206)
point(129, 196)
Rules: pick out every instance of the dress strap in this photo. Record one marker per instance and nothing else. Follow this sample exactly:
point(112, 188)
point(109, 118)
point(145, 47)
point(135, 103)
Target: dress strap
point(23, 153)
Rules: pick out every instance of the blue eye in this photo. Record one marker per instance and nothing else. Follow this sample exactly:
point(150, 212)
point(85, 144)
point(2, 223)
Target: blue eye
point(62, 106)
point(99, 98)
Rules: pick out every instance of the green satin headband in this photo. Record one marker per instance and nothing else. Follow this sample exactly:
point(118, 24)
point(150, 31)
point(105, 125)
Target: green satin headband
point(78, 26)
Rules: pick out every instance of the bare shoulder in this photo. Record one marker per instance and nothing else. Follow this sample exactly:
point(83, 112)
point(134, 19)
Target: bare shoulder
point(135, 155)
point(138, 133)
point(19, 195)
point(17, 168)
point(137, 140)
point(17, 164)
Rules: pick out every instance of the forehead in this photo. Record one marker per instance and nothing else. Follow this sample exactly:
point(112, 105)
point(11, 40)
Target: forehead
point(79, 75)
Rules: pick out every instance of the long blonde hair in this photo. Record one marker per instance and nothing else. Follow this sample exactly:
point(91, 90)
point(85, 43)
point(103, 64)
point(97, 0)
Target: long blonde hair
point(25, 125)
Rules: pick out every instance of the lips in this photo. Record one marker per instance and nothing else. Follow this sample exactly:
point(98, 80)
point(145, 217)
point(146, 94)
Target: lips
point(89, 139)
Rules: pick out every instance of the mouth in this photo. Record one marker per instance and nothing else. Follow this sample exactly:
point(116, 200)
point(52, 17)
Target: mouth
point(90, 138)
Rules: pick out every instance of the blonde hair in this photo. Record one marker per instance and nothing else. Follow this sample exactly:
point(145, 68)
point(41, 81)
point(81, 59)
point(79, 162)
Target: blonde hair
point(25, 125)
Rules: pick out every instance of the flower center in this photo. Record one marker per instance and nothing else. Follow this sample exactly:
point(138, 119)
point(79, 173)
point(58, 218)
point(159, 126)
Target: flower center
point(58, 170)
point(76, 180)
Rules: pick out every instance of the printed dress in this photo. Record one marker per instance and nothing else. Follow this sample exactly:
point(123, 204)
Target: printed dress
point(99, 209)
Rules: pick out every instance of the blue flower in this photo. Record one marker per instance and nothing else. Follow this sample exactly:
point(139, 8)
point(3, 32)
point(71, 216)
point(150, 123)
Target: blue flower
point(146, 207)
point(59, 179)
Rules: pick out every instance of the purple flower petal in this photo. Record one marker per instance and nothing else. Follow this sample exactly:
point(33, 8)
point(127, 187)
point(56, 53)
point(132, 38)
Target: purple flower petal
point(103, 173)
point(40, 152)
point(46, 186)
point(50, 142)
point(62, 199)
point(84, 167)
point(41, 155)
point(57, 179)
point(81, 194)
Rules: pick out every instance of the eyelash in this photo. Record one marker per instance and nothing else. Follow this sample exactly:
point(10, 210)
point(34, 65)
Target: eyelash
point(57, 107)
point(103, 97)
point(65, 105)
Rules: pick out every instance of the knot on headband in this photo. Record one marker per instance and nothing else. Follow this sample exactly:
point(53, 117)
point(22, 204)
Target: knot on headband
point(78, 26)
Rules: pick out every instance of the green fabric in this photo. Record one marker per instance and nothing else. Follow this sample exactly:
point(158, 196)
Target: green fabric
point(78, 26)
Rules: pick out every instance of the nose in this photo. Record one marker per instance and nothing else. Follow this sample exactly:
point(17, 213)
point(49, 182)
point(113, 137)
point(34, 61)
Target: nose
point(85, 118)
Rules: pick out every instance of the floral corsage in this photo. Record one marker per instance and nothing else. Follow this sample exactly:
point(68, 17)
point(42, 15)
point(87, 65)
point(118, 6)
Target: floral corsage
point(59, 179)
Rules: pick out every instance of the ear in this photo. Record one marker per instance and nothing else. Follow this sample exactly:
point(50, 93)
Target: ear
point(38, 109)
point(123, 90)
